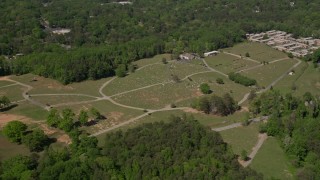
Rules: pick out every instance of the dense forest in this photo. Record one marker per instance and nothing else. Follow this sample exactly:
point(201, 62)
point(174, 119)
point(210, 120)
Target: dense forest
point(181, 149)
point(296, 123)
point(105, 35)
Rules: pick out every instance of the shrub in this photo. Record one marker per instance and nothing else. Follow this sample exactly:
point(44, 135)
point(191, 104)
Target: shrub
point(220, 81)
point(205, 88)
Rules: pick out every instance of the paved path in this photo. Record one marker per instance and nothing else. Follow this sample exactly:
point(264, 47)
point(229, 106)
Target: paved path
point(27, 97)
point(235, 125)
point(15, 84)
point(255, 149)
point(84, 95)
point(212, 69)
point(281, 77)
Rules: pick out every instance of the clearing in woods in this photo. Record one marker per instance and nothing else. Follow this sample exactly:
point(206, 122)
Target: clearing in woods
point(147, 94)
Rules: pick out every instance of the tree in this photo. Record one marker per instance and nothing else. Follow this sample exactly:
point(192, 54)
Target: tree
point(53, 118)
point(121, 70)
point(205, 88)
point(83, 117)
point(66, 122)
point(18, 167)
point(4, 102)
point(290, 55)
point(244, 155)
point(14, 131)
point(95, 113)
point(220, 81)
point(36, 140)
point(247, 54)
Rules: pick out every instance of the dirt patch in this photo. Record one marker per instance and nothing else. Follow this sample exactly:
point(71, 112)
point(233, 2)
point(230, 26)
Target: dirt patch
point(191, 110)
point(4, 78)
point(115, 115)
point(317, 85)
point(6, 118)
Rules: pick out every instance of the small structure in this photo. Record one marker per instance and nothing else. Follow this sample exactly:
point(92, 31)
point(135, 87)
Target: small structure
point(187, 56)
point(211, 53)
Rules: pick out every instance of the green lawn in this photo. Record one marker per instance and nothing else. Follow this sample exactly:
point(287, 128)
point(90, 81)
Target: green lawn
point(285, 85)
point(5, 83)
point(227, 63)
point(155, 59)
point(266, 74)
point(242, 138)
point(9, 149)
point(237, 91)
point(53, 100)
point(183, 69)
point(309, 81)
point(14, 93)
point(29, 110)
point(271, 161)
point(146, 76)
point(257, 51)
point(50, 86)
point(159, 96)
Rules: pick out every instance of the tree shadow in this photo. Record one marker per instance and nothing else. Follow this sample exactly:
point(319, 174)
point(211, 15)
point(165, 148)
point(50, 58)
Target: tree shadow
point(8, 107)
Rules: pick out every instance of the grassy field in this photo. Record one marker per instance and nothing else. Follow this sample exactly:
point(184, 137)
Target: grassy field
point(236, 91)
point(29, 110)
point(155, 59)
point(266, 74)
point(114, 114)
point(8, 149)
point(227, 63)
point(5, 83)
point(242, 138)
point(50, 86)
point(52, 100)
point(14, 93)
point(159, 96)
point(149, 75)
point(257, 51)
point(309, 81)
point(285, 85)
point(180, 93)
point(272, 162)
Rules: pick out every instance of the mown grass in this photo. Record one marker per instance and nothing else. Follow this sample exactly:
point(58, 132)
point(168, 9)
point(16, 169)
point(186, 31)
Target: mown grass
point(309, 81)
point(29, 110)
point(227, 63)
point(272, 162)
point(9, 149)
point(14, 93)
point(266, 74)
point(49, 86)
point(242, 138)
point(158, 96)
point(257, 51)
point(285, 85)
point(5, 83)
point(52, 100)
point(149, 75)
point(237, 91)
point(155, 59)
